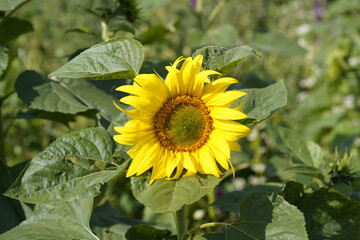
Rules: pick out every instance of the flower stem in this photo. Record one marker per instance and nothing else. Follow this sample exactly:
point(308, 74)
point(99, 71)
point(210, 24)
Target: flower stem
point(206, 225)
point(105, 35)
point(180, 222)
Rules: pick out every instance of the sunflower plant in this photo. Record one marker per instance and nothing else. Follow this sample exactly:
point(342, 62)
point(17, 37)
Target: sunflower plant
point(172, 136)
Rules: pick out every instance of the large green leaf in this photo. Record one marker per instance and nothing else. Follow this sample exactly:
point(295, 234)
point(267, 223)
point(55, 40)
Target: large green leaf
point(288, 141)
point(11, 28)
point(3, 60)
point(6, 5)
point(223, 59)
point(259, 104)
point(117, 58)
point(42, 93)
point(68, 220)
point(264, 216)
point(276, 43)
point(165, 195)
point(328, 214)
point(67, 96)
point(70, 168)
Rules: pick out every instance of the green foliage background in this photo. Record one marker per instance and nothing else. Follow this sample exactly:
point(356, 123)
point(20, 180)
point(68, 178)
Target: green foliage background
point(297, 176)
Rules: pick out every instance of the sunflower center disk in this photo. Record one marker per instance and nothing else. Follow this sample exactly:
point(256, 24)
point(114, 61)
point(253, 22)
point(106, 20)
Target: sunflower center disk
point(183, 124)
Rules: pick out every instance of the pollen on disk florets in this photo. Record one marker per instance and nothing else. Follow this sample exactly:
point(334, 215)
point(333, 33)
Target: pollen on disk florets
point(183, 124)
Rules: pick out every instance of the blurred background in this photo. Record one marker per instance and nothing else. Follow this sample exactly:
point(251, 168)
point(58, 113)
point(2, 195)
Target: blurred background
point(313, 46)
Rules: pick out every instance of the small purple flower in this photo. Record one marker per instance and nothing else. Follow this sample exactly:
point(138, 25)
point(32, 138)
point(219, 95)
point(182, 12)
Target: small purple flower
point(219, 193)
point(192, 4)
point(318, 10)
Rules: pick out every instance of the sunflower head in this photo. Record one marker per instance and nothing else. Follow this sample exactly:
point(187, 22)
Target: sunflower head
point(182, 125)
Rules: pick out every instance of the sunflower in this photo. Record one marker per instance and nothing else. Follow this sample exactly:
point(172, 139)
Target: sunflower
point(182, 125)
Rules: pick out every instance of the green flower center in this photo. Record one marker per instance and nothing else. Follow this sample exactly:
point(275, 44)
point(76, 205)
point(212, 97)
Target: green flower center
point(183, 124)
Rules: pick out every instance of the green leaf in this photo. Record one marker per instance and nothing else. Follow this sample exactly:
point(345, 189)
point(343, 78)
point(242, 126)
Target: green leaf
point(264, 216)
point(223, 59)
point(67, 96)
point(260, 104)
point(42, 93)
point(72, 167)
point(165, 195)
point(306, 170)
point(276, 43)
point(146, 232)
point(288, 141)
point(68, 220)
point(4, 59)
point(230, 202)
point(11, 28)
point(6, 5)
point(328, 214)
point(117, 58)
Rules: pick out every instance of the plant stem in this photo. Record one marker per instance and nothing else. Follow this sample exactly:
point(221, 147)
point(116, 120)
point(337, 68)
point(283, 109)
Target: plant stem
point(105, 31)
point(206, 225)
point(211, 209)
point(199, 6)
point(180, 222)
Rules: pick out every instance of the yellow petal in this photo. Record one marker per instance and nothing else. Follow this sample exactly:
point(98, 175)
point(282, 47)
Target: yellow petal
point(171, 79)
point(127, 88)
point(224, 99)
point(172, 162)
point(219, 85)
point(135, 114)
point(231, 130)
point(226, 113)
point(144, 159)
point(187, 162)
point(207, 161)
point(234, 146)
point(220, 149)
point(200, 80)
point(152, 85)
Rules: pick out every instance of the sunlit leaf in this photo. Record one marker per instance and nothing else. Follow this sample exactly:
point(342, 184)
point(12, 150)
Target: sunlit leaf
point(164, 195)
point(117, 58)
point(68, 220)
point(6, 5)
point(264, 216)
point(289, 141)
point(261, 103)
point(223, 59)
point(70, 168)
point(67, 96)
